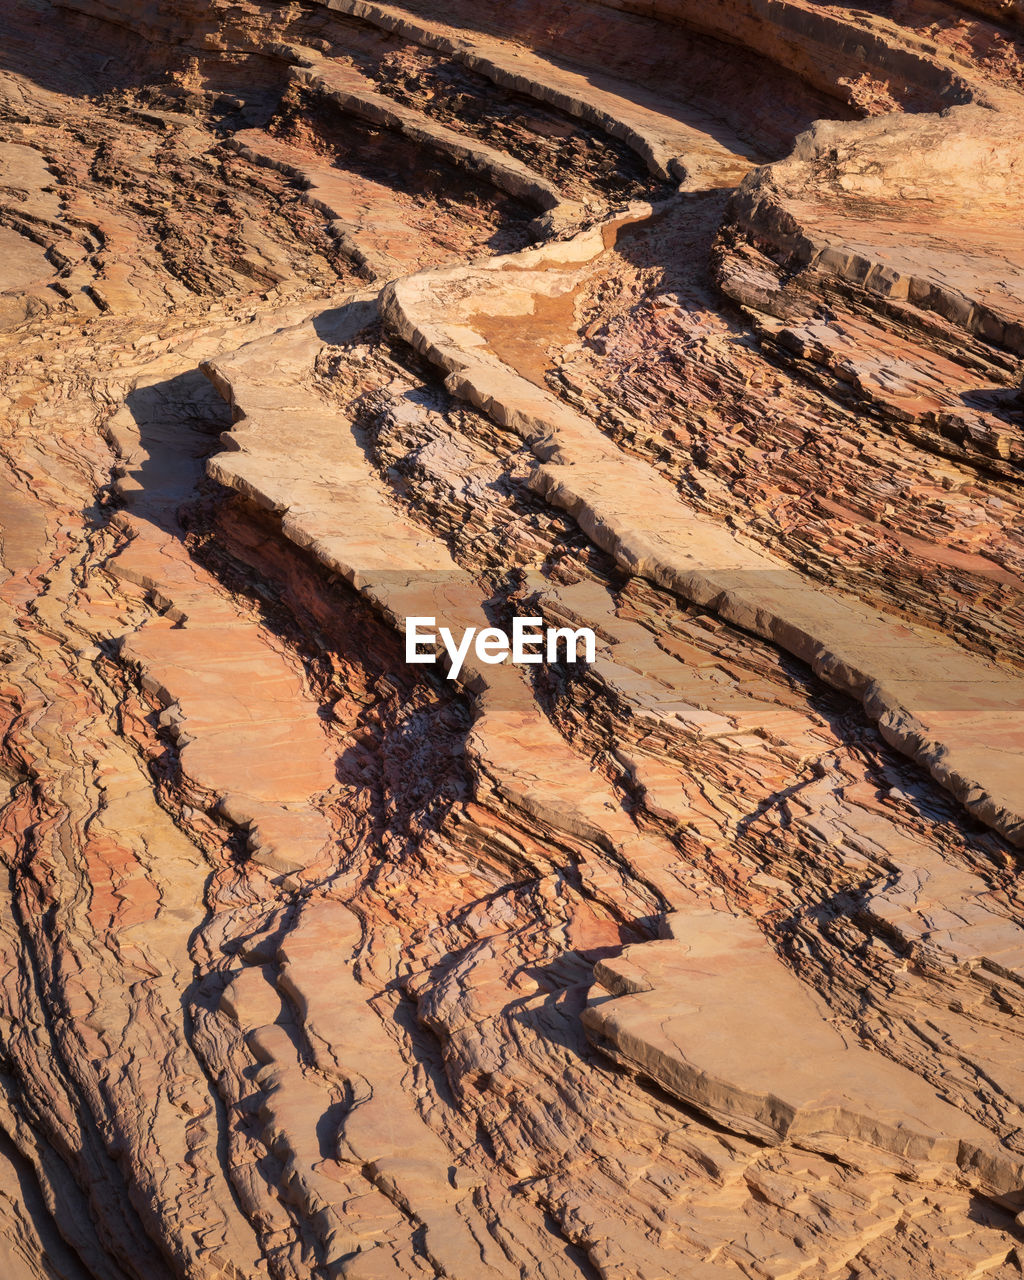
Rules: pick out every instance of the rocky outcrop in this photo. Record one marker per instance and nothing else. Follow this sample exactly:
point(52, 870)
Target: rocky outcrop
point(744, 1072)
point(644, 527)
point(676, 322)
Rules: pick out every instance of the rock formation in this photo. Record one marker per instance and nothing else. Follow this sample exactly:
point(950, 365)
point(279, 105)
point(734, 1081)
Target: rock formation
point(697, 325)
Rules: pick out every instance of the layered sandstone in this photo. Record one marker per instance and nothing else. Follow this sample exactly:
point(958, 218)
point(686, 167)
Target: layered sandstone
point(697, 325)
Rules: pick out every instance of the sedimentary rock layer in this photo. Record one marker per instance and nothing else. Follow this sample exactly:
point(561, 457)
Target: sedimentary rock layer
point(697, 326)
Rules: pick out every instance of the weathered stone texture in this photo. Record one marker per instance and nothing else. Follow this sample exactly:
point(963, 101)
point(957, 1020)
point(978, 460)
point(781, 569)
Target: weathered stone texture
point(696, 324)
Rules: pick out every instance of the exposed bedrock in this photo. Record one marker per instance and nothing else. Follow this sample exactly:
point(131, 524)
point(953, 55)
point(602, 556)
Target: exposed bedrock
point(929, 704)
point(827, 209)
point(696, 325)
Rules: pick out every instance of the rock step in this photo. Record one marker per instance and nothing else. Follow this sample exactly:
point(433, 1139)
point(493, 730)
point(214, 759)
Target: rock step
point(342, 516)
point(957, 715)
point(381, 1158)
point(232, 705)
point(347, 90)
point(235, 705)
point(938, 909)
point(942, 260)
point(932, 392)
point(284, 434)
point(342, 197)
point(668, 136)
point(691, 1012)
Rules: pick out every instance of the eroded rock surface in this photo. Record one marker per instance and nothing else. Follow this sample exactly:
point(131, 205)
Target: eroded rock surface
point(697, 325)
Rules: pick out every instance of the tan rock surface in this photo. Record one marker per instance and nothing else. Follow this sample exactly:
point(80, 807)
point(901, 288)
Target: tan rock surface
point(695, 324)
